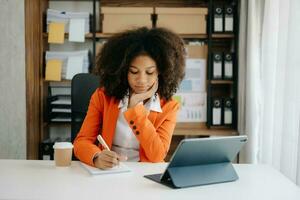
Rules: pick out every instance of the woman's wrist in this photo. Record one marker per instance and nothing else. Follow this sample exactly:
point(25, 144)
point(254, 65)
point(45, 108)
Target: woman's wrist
point(133, 104)
point(96, 156)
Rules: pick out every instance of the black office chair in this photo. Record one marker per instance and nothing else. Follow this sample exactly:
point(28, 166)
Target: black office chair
point(82, 87)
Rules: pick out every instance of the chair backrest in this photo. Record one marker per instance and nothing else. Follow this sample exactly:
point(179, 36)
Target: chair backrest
point(82, 87)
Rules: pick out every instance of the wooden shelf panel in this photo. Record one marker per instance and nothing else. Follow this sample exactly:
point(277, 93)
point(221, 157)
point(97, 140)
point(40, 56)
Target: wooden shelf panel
point(200, 129)
point(221, 82)
point(157, 3)
point(187, 36)
point(223, 35)
point(62, 81)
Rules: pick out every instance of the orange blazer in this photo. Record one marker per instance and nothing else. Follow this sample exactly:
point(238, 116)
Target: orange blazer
point(153, 130)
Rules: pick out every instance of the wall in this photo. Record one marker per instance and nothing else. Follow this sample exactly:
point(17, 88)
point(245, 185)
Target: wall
point(12, 80)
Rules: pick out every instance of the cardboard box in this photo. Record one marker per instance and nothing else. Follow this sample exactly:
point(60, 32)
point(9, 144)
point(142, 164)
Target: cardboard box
point(116, 19)
point(196, 51)
point(182, 20)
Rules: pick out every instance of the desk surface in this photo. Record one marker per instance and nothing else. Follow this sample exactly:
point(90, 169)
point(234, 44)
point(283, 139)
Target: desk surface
point(33, 179)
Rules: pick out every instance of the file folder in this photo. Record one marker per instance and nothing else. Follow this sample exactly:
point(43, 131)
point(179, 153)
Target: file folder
point(229, 19)
point(217, 111)
point(56, 33)
point(201, 161)
point(228, 106)
point(228, 66)
point(53, 70)
point(217, 67)
point(218, 19)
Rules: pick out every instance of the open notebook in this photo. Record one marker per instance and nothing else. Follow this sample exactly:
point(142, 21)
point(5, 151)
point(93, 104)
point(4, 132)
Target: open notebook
point(121, 168)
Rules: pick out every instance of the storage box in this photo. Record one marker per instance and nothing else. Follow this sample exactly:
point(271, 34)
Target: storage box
point(196, 51)
point(182, 20)
point(116, 19)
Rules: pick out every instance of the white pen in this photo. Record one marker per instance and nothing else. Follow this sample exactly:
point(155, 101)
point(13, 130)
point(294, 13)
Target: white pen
point(102, 142)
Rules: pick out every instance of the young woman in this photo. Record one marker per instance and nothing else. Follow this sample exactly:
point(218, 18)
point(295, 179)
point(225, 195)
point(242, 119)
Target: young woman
point(133, 109)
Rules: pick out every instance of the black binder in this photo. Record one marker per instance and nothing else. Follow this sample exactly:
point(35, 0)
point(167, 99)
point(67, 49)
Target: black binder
point(216, 112)
point(228, 65)
point(229, 19)
point(218, 19)
point(228, 111)
point(217, 65)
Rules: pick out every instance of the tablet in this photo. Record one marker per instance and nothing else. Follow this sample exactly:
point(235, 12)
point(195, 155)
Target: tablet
point(201, 161)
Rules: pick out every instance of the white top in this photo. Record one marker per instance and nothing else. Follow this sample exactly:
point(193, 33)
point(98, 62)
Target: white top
point(38, 179)
point(125, 142)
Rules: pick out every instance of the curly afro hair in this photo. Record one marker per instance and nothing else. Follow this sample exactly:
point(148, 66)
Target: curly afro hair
point(162, 45)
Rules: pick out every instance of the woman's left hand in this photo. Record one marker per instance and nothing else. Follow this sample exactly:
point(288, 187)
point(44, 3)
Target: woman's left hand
point(134, 98)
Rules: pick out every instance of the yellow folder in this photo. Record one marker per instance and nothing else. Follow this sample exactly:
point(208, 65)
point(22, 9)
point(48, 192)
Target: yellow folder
point(53, 70)
point(56, 33)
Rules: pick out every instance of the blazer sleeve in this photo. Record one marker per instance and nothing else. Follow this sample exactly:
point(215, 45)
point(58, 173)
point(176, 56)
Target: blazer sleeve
point(155, 140)
point(84, 143)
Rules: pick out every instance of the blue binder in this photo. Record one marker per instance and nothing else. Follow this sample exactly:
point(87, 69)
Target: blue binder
point(201, 161)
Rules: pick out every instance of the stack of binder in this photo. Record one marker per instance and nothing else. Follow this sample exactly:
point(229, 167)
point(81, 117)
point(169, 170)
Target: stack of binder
point(223, 18)
point(223, 65)
point(65, 17)
point(222, 112)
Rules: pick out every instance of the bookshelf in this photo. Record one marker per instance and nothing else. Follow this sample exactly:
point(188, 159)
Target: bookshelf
point(37, 86)
point(185, 36)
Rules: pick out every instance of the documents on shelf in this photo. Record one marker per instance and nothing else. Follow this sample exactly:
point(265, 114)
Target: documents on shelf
point(69, 62)
point(62, 101)
point(60, 90)
point(121, 168)
point(192, 107)
point(65, 17)
point(195, 73)
point(74, 66)
point(192, 90)
point(61, 110)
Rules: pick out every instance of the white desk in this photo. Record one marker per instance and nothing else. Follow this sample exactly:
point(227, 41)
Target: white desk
point(32, 179)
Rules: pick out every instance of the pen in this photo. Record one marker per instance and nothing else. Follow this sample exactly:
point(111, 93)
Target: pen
point(102, 142)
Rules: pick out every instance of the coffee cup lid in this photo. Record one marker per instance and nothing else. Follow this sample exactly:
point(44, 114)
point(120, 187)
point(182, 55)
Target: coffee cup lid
point(63, 145)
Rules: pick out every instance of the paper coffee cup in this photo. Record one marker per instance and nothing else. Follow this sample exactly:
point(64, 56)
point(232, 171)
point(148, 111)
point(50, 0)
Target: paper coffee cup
point(63, 153)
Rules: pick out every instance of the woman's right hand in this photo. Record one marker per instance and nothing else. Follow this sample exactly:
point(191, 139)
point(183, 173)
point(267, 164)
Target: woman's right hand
point(106, 159)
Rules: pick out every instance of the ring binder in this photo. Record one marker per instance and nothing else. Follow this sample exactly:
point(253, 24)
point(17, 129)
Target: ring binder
point(217, 112)
point(218, 19)
point(217, 67)
point(228, 66)
point(228, 105)
point(229, 19)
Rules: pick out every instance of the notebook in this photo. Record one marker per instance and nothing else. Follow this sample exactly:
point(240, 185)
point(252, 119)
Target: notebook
point(121, 168)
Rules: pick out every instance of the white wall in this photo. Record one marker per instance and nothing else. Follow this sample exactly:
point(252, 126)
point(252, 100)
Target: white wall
point(12, 80)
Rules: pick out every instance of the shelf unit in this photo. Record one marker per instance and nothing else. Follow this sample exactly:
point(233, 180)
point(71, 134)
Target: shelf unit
point(231, 45)
point(35, 12)
point(185, 36)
